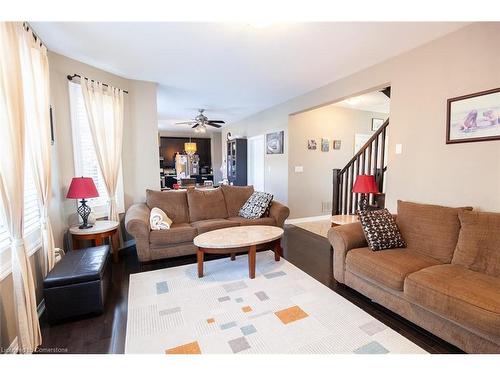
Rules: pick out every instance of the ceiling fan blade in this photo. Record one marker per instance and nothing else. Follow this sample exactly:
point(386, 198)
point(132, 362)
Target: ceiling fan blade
point(214, 125)
point(217, 121)
point(185, 122)
point(193, 127)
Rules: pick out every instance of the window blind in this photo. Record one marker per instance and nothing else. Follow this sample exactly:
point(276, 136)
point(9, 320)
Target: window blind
point(31, 223)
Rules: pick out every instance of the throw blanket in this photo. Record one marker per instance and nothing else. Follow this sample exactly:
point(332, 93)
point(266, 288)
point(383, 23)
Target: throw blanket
point(159, 220)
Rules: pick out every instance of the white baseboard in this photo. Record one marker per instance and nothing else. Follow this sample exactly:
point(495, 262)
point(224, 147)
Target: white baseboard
point(307, 219)
point(14, 346)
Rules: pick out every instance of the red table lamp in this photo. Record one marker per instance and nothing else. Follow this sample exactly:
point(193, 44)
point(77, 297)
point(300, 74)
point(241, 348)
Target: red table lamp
point(81, 188)
point(365, 184)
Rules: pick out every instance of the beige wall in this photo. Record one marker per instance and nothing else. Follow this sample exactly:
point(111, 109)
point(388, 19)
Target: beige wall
point(331, 122)
point(428, 170)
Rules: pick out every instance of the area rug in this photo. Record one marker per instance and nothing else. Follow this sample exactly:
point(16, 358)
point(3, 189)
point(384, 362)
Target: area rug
point(282, 310)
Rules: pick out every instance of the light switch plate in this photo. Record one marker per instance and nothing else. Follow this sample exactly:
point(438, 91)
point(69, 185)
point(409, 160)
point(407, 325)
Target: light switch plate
point(399, 148)
point(299, 169)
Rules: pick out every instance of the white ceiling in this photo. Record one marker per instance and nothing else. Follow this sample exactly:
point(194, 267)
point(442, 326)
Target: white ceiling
point(233, 70)
point(372, 102)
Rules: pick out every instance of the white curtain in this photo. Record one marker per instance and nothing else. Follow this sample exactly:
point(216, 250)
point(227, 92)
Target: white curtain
point(35, 66)
point(105, 113)
point(12, 143)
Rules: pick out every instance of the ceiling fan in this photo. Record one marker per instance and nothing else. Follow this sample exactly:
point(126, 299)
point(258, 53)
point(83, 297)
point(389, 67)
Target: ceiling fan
point(201, 121)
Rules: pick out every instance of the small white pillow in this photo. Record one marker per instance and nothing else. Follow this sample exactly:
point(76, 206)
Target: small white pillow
point(159, 220)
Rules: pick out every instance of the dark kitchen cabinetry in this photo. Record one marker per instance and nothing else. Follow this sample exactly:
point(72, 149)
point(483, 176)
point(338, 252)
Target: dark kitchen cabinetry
point(169, 146)
point(236, 156)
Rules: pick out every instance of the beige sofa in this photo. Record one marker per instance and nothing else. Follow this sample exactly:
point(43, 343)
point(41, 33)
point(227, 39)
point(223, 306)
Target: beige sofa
point(447, 280)
point(193, 212)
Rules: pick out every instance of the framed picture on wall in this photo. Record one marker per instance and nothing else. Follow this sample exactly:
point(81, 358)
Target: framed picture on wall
point(325, 144)
point(377, 123)
point(474, 117)
point(275, 142)
point(312, 144)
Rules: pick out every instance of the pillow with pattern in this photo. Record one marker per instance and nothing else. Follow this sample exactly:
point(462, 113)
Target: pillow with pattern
point(381, 230)
point(256, 206)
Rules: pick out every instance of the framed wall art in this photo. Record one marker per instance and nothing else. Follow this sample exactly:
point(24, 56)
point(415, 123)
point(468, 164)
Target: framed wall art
point(474, 117)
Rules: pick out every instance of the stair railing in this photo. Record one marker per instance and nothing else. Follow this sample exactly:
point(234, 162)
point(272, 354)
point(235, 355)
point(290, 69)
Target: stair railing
point(370, 159)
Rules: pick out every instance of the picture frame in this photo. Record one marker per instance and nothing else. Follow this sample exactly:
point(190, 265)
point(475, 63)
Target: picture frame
point(377, 123)
point(312, 144)
point(275, 142)
point(473, 117)
point(325, 144)
point(337, 144)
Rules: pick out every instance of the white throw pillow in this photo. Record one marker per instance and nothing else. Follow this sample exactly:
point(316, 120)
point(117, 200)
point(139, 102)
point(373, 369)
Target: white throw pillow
point(159, 220)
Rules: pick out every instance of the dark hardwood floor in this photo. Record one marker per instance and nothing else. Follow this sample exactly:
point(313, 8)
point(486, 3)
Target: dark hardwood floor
point(306, 250)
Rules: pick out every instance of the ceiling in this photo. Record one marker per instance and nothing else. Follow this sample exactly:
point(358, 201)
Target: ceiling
point(233, 70)
point(372, 102)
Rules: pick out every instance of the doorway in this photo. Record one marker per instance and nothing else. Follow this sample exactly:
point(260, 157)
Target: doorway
point(256, 162)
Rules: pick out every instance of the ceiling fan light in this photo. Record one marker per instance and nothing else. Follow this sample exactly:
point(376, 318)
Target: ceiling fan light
point(203, 129)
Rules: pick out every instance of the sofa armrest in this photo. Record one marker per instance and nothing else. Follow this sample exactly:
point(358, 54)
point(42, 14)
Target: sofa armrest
point(279, 212)
point(137, 224)
point(344, 238)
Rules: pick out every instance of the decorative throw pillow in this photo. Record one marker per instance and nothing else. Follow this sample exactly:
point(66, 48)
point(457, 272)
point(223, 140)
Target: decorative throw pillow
point(380, 230)
point(159, 220)
point(256, 206)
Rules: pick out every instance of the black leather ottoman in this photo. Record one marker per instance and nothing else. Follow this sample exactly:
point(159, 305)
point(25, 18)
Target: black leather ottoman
point(78, 284)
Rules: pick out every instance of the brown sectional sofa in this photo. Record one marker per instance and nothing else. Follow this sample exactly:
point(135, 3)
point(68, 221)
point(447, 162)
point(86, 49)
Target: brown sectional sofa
point(193, 212)
point(447, 280)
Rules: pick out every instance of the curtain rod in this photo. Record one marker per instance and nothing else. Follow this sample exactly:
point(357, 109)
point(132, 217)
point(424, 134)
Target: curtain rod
point(28, 28)
point(70, 77)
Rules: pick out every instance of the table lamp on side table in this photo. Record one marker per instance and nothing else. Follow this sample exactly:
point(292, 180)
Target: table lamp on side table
point(365, 184)
point(81, 188)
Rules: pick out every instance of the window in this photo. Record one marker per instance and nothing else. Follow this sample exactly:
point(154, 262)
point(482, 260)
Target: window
point(85, 157)
point(31, 224)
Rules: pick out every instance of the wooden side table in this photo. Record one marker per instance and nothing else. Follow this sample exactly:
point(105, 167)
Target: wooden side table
point(102, 229)
point(343, 219)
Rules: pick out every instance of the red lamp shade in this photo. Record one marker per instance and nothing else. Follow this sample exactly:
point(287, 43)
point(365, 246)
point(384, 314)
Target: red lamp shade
point(365, 184)
point(82, 187)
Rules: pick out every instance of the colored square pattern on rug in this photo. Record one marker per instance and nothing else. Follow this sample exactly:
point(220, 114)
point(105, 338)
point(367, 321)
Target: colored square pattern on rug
point(191, 348)
point(291, 314)
point(282, 310)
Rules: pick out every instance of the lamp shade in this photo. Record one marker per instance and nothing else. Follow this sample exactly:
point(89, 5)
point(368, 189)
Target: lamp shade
point(82, 187)
point(190, 147)
point(365, 184)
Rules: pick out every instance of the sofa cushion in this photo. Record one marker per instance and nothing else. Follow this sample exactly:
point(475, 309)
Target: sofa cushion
point(388, 267)
point(478, 246)
point(172, 202)
point(235, 197)
point(430, 230)
point(471, 299)
point(261, 221)
point(177, 233)
point(380, 230)
point(212, 224)
point(257, 205)
point(206, 204)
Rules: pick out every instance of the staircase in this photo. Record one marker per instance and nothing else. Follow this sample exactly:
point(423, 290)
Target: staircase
point(370, 159)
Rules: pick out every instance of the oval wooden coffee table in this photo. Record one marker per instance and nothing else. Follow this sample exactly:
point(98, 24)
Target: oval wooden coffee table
point(239, 240)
